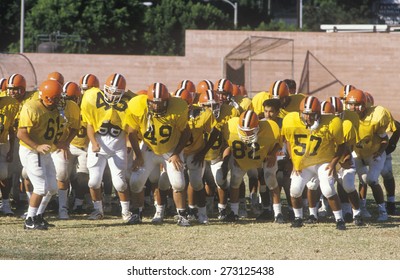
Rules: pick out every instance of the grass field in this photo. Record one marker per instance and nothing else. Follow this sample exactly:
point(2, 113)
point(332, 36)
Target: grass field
point(79, 239)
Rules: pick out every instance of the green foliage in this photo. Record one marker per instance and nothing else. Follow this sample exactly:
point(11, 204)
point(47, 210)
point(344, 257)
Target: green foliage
point(166, 24)
point(128, 27)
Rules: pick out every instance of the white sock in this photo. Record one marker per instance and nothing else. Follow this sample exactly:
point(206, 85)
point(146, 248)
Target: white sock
point(235, 208)
point(277, 209)
point(43, 204)
point(32, 211)
point(125, 206)
point(313, 211)
point(298, 212)
point(98, 205)
point(62, 199)
point(338, 215)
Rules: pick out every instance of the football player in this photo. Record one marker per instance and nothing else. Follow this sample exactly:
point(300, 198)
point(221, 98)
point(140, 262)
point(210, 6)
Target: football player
point(37, 130)
point(346, 174)
point(78, 163)
point(250, 144)
point(162, 122)
point(69, 127)
point(372, 141)
point(316, 144)
point(200, 122)
point(212, 151)
point(8, 112)
point(104, 114)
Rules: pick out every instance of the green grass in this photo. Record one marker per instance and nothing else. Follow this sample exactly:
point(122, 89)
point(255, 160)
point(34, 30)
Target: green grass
point(78, 239)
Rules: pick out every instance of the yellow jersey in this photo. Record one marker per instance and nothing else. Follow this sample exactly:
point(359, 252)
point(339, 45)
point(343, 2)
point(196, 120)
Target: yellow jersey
point(308, 148)
point(160, 134)
point(375, 122)
point(250, 156)
point(258, 101)
point(226, 113)
point(70, 120)
point(105, 118)
point(9, 109)
point(81, 140)
point(42, 124)
point(200, 123)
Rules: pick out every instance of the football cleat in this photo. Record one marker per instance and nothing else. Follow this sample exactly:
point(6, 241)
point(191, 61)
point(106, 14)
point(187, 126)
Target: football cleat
point(340, 224)
point(6, 209)
point(297, 223)
point(391, 208)
point(383, 216)
point(183, 222)
point(43, 221)
point(311, 220)
point(158, 217)
point(266, 215)
point(242, 210)
point(96, 215)
point(358, 221)
point(33, 223)
point(279, 219)
point(231, 217)
point(222, 214)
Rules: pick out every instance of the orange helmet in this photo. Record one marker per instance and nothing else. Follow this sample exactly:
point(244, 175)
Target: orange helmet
point(57, 76)
point(337, 105)
point(327, 108)
point(370, 99)
point(204, 85)
point(50, 92)
point(188, 85)
point(185, 95)
point(223, 87)
point(345, 90)
point(236, 90)
point(310, 112)
point(16, 85)
point(88, 81)
point(114, 88)
point(157, 99)
point(71, 91)
point(279, 89)
point(243, 91)
point(248, 127)
point(3, 84)
point(357, 99)
point(210, 99)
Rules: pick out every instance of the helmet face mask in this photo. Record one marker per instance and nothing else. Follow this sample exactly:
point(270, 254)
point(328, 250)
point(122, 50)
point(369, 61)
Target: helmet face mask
point(310, 112)
point(157, 99)
point(16, 86)
point(209, 99)
point(112, 95)
point(356, 101)
point(158, 108)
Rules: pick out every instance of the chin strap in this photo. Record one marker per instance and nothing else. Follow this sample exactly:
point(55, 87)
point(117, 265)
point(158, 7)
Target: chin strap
point(149, 123)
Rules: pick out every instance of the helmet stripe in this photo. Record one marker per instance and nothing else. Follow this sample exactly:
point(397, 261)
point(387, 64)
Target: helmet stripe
point(209, 84)
point(65, 86)
point(247, 118)
point(221, 84)
point(275, 89)
point(115, 80)
point(309, 102)
point(157, 90)
point(11, 79)
point(85, 79)
point(347, 89)
point(209, 94)
point(179, 92)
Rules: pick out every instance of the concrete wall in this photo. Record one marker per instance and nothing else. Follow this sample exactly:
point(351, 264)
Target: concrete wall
point(369, 61)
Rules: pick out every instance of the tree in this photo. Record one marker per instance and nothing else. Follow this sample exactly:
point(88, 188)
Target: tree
point(106, 26)
point(167, 21)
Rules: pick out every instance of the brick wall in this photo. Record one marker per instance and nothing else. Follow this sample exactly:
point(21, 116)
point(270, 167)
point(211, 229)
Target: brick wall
point(369, 61)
